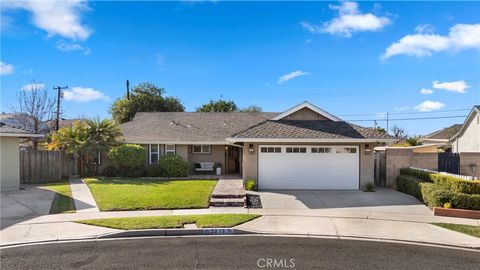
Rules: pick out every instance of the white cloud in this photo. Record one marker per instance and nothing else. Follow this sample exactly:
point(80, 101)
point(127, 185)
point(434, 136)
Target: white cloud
point(56, 17)
point(67, 47)
point(33, 86)
point(424, 29)
point(291, 75)
point(424, 43)
point(83, 94)
point(426, 91)
point(349, 20)
point(428, 106)
point(6, 69)
point(458, 86)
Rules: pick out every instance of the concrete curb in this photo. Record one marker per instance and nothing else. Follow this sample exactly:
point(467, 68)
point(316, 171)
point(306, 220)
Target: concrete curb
point(175, 232)
point(230, 232)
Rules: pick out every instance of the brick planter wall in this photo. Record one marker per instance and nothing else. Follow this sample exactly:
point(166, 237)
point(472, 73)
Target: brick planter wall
point(460, 213)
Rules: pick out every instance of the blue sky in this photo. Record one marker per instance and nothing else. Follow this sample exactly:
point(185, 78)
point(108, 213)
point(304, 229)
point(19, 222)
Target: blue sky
point(347, 58)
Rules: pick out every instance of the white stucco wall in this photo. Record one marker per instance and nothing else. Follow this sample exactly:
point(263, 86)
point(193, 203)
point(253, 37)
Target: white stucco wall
point(10, 163)
point(469, 141)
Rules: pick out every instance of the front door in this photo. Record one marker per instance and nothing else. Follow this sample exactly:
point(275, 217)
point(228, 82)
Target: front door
point(232, 159)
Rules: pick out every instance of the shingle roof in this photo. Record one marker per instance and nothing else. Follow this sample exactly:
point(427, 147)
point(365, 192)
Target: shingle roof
point(310, 129)
point(6, 128)
point(445, 133)
point(22, 121)
point(189, 126)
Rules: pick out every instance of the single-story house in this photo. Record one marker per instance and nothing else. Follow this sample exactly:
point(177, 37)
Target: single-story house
point(303, 147)
point(467, 139)
point(10, 155)
point(441, 137)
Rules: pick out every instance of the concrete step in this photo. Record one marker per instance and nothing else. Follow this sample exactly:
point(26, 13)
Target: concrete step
point(229, 196)
point(227, 202)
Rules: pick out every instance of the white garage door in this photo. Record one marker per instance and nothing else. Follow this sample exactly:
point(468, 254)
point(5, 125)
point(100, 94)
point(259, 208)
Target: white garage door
point(308, 167)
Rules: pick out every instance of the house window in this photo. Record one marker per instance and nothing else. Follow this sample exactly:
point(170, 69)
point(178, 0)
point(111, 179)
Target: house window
point(321, 149)
point(202, 149)
point(154, 153)
point(170, 149)
point(296, 150)
point(270, 149)
point(346, 150)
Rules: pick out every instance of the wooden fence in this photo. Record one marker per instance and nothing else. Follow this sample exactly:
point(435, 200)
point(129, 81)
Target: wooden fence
point(40, 166)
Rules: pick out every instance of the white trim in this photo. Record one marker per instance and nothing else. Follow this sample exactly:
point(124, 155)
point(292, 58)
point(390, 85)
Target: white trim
point(21, 135)
point(310, 106)
point(176, 142)
point(280, 140)
point(209, 152)
point(150, 152)
point(174, 151)
point(470, 118)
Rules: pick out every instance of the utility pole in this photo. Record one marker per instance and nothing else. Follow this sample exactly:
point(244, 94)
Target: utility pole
point(374, 124)
point(59, 95)
point(387, 122)
point(128, 89)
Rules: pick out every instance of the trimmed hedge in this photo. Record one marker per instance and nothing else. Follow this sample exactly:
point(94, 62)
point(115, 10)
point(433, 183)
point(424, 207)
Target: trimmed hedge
point(466, 201)
point(410, 185)
point(435, 190)
point(434, 195)
point(456, 184)
point(425, 176)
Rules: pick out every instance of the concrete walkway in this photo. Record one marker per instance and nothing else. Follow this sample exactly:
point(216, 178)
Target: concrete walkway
point(82, 197)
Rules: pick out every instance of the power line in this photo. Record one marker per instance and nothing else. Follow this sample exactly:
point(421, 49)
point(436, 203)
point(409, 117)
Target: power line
point(405, 119)
point(400, 113)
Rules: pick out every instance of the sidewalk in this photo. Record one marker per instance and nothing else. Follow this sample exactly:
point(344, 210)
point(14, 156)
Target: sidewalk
point(271, 225)
point(82, 197)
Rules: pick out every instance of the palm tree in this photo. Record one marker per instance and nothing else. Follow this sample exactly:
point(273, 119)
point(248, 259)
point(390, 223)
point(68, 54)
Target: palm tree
point(87, 138)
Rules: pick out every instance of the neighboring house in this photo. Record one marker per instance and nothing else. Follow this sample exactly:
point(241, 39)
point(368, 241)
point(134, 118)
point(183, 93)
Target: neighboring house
point(51, 124)
point(10, 155)
point(23, 121)
point(304, 147)
point(467, 139)
point(441, 137)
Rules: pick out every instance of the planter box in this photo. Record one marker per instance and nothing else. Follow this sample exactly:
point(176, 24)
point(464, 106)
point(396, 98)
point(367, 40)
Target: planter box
point(460, 213)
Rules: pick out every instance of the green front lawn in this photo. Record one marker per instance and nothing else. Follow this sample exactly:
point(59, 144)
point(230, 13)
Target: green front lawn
point(63, 201)
point(165, 222)
point(466, 229)
point(141, 194)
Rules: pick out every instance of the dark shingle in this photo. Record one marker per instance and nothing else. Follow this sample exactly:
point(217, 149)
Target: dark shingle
point(304, 129)
point(189, 126)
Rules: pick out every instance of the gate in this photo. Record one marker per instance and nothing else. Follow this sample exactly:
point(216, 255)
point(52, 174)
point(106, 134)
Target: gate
point(449, 162)
point(380, 169)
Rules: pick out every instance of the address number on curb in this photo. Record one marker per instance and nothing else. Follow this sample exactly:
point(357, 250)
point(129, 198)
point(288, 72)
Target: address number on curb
point(218, 231)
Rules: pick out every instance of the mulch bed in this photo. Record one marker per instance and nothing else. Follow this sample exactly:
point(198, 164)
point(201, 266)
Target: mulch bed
point(253, 201)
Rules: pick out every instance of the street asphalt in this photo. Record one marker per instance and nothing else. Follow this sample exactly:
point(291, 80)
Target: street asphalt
point(238, 252)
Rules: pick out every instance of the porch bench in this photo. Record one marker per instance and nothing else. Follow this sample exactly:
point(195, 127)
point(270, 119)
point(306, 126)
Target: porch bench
point(204, 166)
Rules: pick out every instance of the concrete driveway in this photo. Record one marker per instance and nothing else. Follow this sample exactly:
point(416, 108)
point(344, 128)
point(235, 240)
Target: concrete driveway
point(24, 204)
point(382, 200)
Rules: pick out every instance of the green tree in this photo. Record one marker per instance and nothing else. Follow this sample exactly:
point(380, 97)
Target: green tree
point(86, 138)
point(413, 141)
point(381, 130)
point(220, 105)
point(145, 97)
point(251, 108)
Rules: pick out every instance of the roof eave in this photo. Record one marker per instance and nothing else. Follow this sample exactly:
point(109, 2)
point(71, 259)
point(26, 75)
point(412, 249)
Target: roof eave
point(467, 121)
point(299, 140)
point(21, 135)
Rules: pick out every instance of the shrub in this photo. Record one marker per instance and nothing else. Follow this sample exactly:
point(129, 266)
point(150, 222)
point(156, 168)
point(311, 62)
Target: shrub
point(425, 176)
point(434, 195)
point(456, 184)
point(110, 171)
point(251, 184)
point(127, 156)
point(134, 172)
point(466, 201)
point(370, 187)
point(154, 170)
point(410, 185)
point(173, 166)
point(447, 205)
